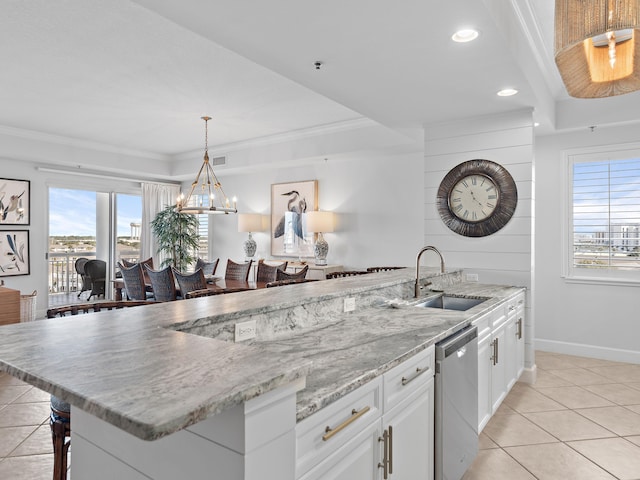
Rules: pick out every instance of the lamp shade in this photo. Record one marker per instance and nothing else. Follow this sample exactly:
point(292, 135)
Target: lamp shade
point(249, 222)
point(597, 46)
point(320, 222)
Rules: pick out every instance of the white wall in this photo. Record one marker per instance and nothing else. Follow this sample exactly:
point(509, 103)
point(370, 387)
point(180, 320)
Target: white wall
point(505, 257)
point(377, 201)
point(593, 320)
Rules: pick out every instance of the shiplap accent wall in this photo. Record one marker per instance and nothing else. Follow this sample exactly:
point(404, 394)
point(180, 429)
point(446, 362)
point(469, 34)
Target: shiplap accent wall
point(506, 257)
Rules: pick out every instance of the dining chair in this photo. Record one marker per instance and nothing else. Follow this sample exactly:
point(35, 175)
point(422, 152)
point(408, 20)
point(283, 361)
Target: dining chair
point(162, 283)
point(237, 271)
point(148, 262)
point(301, 274)
point(347, 273)
point(269, 273)
point(60, 416)
point(96, 270)
point(208, 268)
point(189, 282)
point(134, 282)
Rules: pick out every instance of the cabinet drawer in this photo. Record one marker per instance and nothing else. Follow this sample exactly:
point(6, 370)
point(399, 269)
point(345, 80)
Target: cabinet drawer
point(483, 324)
point(407, 377)
point(322, 433)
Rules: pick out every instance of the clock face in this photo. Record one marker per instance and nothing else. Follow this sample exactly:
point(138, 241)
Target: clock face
point(474, 198)
point(477, 198)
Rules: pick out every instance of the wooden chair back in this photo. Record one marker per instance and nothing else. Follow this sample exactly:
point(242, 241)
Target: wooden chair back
point(162, 283)
point(299, 275)
point(269, 273)
point(189, 282)
point(237, 271)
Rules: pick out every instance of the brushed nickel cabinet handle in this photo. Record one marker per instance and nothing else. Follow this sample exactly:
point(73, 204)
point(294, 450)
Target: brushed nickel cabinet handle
point(385, 454)
point(492, 358)
point(497, 350)
point(419, 371)
point(355, 414)
point(390, 449)
point(519, 328)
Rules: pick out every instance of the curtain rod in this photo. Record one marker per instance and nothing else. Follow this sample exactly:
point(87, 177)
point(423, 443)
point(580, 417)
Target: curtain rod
point(99, 175)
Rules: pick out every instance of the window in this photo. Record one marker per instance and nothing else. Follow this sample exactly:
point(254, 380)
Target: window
point(604, 235)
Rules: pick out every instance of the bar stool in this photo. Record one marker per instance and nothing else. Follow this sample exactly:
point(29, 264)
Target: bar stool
point(60, 422)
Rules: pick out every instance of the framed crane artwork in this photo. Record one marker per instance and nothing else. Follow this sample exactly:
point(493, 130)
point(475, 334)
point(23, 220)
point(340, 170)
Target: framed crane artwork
point(289, 203)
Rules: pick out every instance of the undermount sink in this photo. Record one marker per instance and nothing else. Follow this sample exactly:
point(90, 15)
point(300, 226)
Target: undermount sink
point(448, 302)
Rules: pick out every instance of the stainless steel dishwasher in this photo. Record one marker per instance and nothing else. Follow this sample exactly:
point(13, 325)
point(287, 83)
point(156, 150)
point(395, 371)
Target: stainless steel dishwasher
point(456, 404)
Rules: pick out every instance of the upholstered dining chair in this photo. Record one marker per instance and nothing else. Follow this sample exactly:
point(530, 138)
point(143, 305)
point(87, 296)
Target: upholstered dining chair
point(60, 417)
point(237, 271)
point(208, 268)
point(162, 283)
point(189, 282)
point(134, 282)
point(301, 274)
point(269, 273)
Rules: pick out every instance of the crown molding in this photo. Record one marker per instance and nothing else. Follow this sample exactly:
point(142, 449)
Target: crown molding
point(225, 148)
point(77, 143)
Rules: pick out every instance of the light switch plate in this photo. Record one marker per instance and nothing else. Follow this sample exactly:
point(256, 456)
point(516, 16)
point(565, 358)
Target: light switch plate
point(349, 304)
point(245, 331)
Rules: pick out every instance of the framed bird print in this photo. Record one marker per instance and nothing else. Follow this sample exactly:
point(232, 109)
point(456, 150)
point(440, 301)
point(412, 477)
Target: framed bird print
point(14, 253)
point(289, 203)
point(14, 201)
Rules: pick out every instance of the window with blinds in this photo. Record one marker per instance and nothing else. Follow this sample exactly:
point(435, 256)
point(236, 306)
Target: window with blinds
point(606, 218)
point(203, 240)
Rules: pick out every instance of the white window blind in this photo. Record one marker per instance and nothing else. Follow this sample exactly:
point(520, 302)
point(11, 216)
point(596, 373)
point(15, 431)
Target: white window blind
point(605, 240)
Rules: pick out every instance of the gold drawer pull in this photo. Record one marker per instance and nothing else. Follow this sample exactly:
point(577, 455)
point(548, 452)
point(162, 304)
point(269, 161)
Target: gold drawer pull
point(355, 414)
point(419, 371)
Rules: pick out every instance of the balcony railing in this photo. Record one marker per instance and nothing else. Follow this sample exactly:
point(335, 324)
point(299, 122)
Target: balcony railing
point(63, 277)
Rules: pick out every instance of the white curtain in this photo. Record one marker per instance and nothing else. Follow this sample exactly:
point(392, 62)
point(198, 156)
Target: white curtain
point(155, 197)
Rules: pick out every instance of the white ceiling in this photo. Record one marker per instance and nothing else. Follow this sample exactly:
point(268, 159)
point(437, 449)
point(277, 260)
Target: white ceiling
point(138, 75)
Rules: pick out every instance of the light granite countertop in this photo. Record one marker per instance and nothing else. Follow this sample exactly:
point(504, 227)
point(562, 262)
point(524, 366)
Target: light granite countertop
point(137, 370)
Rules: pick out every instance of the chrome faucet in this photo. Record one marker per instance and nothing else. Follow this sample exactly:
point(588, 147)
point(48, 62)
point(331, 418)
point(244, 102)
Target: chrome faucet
point(424, 249)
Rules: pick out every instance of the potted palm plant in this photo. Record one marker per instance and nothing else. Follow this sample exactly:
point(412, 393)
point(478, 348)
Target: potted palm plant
point(177, 235)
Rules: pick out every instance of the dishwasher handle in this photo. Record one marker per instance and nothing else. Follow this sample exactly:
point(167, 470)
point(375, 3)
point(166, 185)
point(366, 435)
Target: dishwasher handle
point(455, 342)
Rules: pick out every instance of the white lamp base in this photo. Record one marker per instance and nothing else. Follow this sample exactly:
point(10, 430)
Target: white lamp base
point(250, 247)
point(320, 250)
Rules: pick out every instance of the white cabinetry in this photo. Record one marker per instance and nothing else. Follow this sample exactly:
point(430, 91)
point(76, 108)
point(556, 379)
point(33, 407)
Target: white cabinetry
point(370, 435)
point(500, 355)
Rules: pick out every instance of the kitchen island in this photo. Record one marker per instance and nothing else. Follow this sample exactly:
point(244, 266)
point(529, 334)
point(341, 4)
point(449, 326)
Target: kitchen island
point(162, 391)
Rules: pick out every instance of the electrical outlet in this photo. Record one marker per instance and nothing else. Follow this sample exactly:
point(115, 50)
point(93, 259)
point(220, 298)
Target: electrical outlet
point(245, 331)
point(472, 277)
point(349, 304)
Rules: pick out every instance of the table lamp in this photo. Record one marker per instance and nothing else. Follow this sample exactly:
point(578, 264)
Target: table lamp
point(249, 222)
point(320, 222)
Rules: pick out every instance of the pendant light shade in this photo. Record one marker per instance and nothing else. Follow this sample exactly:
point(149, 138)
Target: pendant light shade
point(597, 46)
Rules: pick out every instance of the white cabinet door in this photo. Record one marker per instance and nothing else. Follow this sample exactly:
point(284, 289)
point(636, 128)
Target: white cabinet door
point(520, 335)
point(410, 427)
point(485, 365)
point(498, 370)
point(357, 459)
point(510, 353)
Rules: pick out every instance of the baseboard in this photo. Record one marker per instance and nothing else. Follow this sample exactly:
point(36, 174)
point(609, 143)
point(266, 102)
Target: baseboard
point(592, 351)
point(529, 375)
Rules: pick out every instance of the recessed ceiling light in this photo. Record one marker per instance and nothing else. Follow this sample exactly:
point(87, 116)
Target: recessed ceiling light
point(507, 92)
point(465, 35)
point(536, 124)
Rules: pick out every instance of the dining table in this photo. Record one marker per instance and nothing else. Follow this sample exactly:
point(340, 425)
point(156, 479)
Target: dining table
point(217, 284)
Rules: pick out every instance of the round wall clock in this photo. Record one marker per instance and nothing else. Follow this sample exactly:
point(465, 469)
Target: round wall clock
point(477, 198)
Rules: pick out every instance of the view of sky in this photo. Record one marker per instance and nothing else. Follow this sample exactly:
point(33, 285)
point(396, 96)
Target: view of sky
point(73, 212)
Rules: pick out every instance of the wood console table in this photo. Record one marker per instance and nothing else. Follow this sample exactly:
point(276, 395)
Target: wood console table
point(9, 306)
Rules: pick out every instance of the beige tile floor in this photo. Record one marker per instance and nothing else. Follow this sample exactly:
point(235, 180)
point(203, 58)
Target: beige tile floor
point(581, 420)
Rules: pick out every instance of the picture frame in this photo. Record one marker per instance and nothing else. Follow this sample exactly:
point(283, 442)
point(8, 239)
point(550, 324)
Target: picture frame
point(289, 202)
point(15, 201)
point(14, 253)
